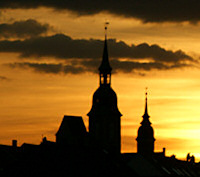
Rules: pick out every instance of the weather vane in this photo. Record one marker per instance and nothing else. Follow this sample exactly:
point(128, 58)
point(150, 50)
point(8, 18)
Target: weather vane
point(106, 26)
point(146, 90)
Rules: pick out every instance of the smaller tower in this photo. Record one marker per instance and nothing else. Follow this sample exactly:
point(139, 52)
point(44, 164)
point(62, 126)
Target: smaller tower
point(145, 138)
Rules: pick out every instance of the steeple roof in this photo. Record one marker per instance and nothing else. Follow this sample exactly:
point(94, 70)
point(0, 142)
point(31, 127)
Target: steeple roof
point(105, 65)
point(146, 116)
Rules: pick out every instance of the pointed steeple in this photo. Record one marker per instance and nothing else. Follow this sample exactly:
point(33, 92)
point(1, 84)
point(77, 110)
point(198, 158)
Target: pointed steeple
point(145, 138)
point(104, 116)
point(146, 115)
point(105, 67)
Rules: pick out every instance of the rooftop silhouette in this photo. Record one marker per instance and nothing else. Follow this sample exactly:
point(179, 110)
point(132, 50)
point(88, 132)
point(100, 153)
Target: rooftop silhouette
point(97, 152)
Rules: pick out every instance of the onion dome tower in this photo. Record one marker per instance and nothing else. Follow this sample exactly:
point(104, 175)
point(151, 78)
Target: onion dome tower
point(145, 139)
point(104, 116)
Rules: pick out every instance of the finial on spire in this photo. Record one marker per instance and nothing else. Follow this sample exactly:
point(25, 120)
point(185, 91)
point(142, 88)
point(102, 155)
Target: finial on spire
point(146, 115)
point(146, 92)
point(106, 27)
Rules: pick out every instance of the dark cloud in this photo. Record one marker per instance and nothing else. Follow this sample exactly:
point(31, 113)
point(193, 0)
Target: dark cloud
point(28, 28)
point(49, 68)
point(133, 66)
point(74, 69)
point(129, 66)
point(85, 55)
point(155, 52)
point(146, 10)
point(64, 47)
point(43, 67)
point(3, 78)
point(91, 66)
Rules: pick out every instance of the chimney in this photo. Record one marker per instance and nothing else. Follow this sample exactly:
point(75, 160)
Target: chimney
point(164, 149)
point(14, 143)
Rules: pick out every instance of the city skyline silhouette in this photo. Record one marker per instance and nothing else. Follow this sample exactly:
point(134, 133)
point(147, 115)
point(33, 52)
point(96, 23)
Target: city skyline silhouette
point(96, 151)
point(49, 60)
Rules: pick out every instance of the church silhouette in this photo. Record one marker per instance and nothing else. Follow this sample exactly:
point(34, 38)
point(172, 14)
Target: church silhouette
point(97, 152)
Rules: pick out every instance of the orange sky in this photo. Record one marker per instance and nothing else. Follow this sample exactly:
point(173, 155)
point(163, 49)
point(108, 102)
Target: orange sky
point(33, 102)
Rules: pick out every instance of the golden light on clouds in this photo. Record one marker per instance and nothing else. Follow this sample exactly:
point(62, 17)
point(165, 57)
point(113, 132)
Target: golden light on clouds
point(33, 102)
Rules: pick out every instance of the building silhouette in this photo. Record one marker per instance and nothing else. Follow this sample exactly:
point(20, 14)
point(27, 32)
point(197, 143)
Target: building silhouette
point(145, 138)
point(96, 153)
point(72, 132)
point(104, 116)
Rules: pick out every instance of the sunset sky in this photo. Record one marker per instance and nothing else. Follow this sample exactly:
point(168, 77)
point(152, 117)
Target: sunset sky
point(49, 57)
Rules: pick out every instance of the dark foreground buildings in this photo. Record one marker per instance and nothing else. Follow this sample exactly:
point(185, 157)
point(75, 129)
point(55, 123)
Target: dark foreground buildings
point(78, 153)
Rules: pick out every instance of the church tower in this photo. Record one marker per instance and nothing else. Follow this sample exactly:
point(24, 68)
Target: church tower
point(104, 116)
point(145, 139)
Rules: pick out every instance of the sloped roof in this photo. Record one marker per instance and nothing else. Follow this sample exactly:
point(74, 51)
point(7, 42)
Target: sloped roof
point(105, 65)
point(72, 125)
point(142, 166)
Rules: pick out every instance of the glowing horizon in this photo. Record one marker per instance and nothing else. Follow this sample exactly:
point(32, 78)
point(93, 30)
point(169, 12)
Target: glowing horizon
point(35, 98)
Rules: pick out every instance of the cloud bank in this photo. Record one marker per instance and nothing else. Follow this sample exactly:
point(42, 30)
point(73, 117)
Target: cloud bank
point(51, 68)
point(83, 55)
point(3, 78)
point(85, 67)
point(64, 47)
point(21, 29)
point(145, 10)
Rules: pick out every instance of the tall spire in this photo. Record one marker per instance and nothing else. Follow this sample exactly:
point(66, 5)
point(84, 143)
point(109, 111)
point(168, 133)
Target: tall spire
point(146, 115)
point(105, 67)
point(104, 116)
